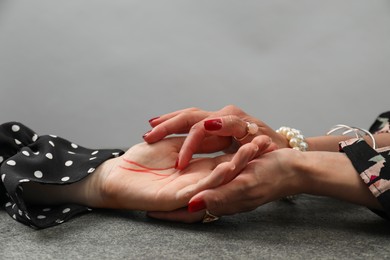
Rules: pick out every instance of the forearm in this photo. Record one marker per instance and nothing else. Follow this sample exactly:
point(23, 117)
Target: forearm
point(333, 175)
point(331, 143)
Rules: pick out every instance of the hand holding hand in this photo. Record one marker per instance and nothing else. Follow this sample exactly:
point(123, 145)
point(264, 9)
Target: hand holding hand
point(209, 131)
point(264, 179)
point(144, 178)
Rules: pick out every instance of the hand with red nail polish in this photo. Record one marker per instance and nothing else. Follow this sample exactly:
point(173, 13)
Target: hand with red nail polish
point(213, 124)
point(146, 178)
point(242, 185)
point(210, 132)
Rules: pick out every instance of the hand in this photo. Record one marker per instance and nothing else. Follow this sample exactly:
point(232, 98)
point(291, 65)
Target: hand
point(144, 178)
point(273, 176)
point(264, 179)
point(225, 123)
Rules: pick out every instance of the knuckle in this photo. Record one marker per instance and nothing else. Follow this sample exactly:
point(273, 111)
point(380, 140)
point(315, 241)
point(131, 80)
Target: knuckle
point(217, 202)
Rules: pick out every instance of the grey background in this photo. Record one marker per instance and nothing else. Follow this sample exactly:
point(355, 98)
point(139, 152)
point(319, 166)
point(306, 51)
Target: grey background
point(96, 71)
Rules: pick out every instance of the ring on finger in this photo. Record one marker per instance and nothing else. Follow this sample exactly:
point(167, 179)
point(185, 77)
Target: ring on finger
point(208, 217)
point(251, 129)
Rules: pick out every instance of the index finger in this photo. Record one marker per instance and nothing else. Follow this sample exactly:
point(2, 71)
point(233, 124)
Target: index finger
point(179, 122)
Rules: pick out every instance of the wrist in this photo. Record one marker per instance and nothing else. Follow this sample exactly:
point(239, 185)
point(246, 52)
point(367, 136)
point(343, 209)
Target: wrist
point(85, 192)
point(332, 174)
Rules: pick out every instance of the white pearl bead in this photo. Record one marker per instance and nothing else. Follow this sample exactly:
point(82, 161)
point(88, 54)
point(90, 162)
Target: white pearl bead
point(293, 142)
point(290, 135)
point(304, 146)
point(295, 138)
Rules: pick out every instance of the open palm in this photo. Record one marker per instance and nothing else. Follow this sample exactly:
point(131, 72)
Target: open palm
point(144, 178)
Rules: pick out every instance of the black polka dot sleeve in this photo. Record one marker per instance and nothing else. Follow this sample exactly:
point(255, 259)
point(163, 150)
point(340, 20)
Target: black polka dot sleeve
point(47, 159)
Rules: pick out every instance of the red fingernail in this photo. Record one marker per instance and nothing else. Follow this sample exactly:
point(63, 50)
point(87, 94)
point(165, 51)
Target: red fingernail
point(196, 205)
point(177, 163)
point(154, 118)
point(148, 132)
point(213, 124)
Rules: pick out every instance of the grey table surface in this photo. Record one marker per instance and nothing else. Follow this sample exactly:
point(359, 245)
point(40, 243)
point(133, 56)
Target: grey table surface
point(310, 228)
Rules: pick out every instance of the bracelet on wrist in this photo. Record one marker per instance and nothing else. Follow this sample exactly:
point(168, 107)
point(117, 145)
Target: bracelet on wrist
point(295, 138)
point(356, 131)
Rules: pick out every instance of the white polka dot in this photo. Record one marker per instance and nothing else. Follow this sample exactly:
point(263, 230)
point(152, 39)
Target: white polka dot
point(66, 178)
point(13, 206)
point(20, 212)
point(36, 153)
point(89, 209)
point(115, 154)
point(2, 177)
point(95, 152)
point(54, 136)
point(41, 217)
point(26, 153)
point(71, 152)
point(74, 145)
point(1, 159)
point(93, 158)
point(66, 210)
point(51, 143)
point(24, 180)
point(8, 204)
point(20, 188)
point(59, 221)
point(28, 217)
point(15, 128)
point(35, 137)
point(11, 163)
point(49, 156)
point(46, 209)
point(14, 216)
point(68, 163)
point(91, 170)
point(38, 174)
point(18, 142)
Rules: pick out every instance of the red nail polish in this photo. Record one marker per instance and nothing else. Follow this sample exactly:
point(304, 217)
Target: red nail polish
point(177, 163)
point(148, 132)
point(213, 124)
point(154, 118)
point(196, 205)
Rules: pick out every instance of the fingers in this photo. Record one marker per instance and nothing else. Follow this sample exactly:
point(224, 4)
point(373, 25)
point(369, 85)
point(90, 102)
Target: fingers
point(229, 125)
point(224, 200)
point(178, 122)
point(180, 215)
point(225, 172)
point(224, 126)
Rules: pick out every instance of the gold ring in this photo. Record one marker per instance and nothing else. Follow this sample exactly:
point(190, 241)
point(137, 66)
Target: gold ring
point(251, 129)
point(208, 217)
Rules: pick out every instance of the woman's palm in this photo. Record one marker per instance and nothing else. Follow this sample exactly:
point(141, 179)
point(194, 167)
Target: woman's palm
point(145, 178)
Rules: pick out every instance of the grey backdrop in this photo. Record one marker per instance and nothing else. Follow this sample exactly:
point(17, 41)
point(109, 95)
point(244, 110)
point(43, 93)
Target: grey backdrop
point(96, 71)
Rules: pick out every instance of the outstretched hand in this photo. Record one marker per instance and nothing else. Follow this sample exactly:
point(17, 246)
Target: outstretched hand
point(145, 178)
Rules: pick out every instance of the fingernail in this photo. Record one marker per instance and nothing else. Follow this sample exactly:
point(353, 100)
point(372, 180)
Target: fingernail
point(213, 124)
point(148, 132)
point(154, 118)
point(196, 205)
point(177, 163)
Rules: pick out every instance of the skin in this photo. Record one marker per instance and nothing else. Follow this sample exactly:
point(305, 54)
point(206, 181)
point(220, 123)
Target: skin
point(191, 121)
point(321, 171)
point(144, 178)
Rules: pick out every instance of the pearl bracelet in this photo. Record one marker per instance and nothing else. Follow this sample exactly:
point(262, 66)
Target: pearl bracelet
point(295, 138)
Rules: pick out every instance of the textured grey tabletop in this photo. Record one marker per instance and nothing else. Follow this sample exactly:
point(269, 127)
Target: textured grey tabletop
point(311, 228)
